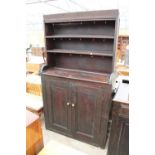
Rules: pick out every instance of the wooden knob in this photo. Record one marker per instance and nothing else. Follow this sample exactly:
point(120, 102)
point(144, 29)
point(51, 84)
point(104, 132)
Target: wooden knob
point(73, 105)
point(68, 103)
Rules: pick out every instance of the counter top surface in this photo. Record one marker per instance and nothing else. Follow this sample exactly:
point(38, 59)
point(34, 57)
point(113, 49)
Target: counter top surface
point(122, 94)
point(30, 118)
point(78, 75)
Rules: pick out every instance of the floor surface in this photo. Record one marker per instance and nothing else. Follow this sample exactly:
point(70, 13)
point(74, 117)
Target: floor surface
point(58, 140)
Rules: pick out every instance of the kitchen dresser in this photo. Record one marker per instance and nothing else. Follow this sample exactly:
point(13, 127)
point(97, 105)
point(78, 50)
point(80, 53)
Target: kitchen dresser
point(76, 81)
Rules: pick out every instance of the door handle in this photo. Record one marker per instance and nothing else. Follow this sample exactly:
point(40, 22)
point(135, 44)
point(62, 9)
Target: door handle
point(73, 105)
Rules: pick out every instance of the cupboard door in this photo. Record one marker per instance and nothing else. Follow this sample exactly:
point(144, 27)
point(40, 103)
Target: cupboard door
point(86, 108)
point(57, 104)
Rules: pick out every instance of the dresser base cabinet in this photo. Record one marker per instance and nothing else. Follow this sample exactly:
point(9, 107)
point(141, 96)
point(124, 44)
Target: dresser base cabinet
point(77, 109)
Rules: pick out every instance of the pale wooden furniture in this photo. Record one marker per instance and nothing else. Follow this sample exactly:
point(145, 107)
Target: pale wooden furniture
point(34, 103)
point(122, 70)
point(34, 64)
point(33, 84)
point(34, 137)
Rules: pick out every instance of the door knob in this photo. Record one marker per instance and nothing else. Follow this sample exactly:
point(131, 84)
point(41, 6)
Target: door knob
point(68, 103)
point(73, 105)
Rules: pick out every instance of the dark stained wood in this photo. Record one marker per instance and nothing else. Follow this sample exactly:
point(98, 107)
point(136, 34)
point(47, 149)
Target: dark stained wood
point(57, 93)
point(119, 135)
point(81, 62)
point(78, 75)
point(96, 35)
point(88, 44)
point(89, 103)
point(82, 16)
point(115, 43)
point(83, 52)
point(76, 80)
point(83, 29)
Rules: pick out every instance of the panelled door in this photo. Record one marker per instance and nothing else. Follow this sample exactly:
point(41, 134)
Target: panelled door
point(86, 111)
point(57, 98)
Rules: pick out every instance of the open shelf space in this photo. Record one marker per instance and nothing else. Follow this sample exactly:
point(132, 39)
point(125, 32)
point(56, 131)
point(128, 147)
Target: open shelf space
point(105, 27)
point(91, 53)
point(80, 62)
point(77, 74)
point(82, 36)
point(93, 45)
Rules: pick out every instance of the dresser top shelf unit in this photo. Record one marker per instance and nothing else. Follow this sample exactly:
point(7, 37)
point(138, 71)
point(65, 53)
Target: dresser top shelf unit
point(78, 75)
point(71, 38)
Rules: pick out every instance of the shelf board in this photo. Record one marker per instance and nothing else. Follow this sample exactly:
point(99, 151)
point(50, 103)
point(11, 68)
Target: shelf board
point(78, 74)
point(83, 52)
point(82, 36)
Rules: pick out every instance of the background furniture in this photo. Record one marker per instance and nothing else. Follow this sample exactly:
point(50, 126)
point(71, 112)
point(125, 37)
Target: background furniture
point(34, 139)
point(122, 70)
point(123, 42)
point(119, 135)
point(76, 80)
point(34, 103)
point(33, 84)
point(34, 64)
point(37, 51)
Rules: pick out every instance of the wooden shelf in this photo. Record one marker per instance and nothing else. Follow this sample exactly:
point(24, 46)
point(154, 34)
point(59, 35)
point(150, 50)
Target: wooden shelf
point(81, 36)
point(78, 74)
point(83, 52)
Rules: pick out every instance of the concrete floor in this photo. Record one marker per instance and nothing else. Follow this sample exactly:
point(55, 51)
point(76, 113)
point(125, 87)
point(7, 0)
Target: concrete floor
point(69, 143)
